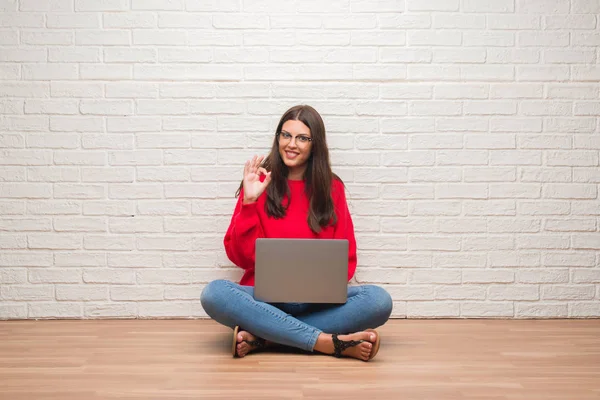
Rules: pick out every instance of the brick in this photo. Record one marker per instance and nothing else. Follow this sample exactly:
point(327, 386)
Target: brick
point(543, 208)
point(486, 309)
point(534, 310)
point(102, 37)
point(570, 191)
point(109, 276)
point(115, 242)
point(488, 242)
point(514, 292)
point(76, 89)
point(104, 5)
point(545, 73)
point(54, 310)
point(136, 293)
point(585, 207)
point(431, 309)
point(516, 90)
point(76, 124)
point(514, 190)
point(462, 124)
point(488, 38)
point(163, 276)
point(586, 175)
point(21, 224)
point(131, 20)
point(428, 142)
point(130, 55)
point(568, 292)
point(487, 276)
point(487, 73)
point(434, 208)
point(165, 174)
point(463, 292)
point(25, 157)
point(586, 241)
point(543, 242)
point(50, 207)
point(67, 157)
point(434, 243)
point(569, 56)
point(136, 225)
point(107, 141)
point(512, 56)
point(135, 158)
point(586, 275)
point(585, 7)
point(435, 174)
point(14, 54)
point(163, 243)
point(26, 123)
point(11, 207)
point(489, 174)
point(13, 276)
point(26, 259)
point(47, 38)
point(132, 90)
point(461, 191)
point(545, 174)
point(584, 309)
point(464, 225)
point(13, 311)
point(54, 275)
point(105, 72)
point(25, 191)
point(74, 20)
point(543, 276)
point(27, 292)
point(542, 7)
point(544, 142)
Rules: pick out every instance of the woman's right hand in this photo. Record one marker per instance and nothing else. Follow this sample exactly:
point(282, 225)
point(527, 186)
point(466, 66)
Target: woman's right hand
point(253, 187)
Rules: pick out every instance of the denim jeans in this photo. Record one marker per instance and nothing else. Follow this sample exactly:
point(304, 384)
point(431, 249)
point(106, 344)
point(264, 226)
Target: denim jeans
point(295, 324)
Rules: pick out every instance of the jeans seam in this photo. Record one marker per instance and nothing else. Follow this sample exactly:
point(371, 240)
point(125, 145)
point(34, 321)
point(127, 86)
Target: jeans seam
point(314, 334)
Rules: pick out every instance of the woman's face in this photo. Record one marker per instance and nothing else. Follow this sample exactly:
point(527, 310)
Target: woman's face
point(295, 147)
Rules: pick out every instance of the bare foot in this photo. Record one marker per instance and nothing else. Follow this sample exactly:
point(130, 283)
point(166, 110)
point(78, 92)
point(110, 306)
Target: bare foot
point(243, 347)
point(361, 351)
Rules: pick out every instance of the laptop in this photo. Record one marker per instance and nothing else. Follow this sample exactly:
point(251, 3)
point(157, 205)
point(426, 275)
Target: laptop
point(301, 270)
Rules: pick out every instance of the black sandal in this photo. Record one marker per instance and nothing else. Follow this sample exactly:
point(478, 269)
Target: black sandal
point(341, 345)
point(259, 343)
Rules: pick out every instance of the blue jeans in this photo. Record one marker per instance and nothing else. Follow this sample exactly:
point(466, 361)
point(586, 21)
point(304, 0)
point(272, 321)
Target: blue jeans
point(295, 324)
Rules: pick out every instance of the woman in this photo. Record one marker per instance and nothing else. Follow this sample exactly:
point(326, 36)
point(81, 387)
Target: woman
point(293, 193)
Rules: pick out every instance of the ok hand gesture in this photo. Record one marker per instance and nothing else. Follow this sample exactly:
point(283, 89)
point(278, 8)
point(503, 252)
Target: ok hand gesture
point(253, 187)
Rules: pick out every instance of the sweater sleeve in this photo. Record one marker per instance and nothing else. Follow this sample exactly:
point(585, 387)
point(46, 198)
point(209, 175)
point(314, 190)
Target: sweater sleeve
point(344, 228)
point(244, 229)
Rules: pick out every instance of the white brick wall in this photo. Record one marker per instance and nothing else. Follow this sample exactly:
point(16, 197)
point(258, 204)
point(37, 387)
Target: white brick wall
point(467, 132)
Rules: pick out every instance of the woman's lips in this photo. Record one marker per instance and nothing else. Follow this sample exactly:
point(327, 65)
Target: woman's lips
point(291, 155)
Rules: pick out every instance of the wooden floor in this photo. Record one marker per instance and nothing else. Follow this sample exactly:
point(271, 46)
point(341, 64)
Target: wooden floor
point(181, 359)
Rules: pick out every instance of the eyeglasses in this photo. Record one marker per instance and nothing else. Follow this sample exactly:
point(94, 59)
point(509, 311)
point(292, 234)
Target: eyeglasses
point(287, 137)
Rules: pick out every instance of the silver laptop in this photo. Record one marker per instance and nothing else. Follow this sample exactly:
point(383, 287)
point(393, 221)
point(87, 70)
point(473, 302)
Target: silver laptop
point(301, 270)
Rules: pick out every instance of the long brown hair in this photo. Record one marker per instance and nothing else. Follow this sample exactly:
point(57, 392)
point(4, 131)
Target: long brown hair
point(318, 175)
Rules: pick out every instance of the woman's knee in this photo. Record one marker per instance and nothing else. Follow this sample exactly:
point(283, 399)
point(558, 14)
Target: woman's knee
point(213, 296)
point(381, 302)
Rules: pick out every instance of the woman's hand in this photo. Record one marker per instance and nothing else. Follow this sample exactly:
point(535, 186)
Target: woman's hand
point(253, 187)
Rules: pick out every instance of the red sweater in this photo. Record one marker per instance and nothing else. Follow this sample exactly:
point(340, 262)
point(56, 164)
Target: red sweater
point(250, 221)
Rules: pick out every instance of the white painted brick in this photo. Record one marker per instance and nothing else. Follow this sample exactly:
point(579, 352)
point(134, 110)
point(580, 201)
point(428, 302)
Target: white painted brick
point(190, 157)
point(10, 207)
point(490, 207)
point(411, 292)
point(76, 124)
point(140, 191)
point(586, 175)
point(61, 241)
point(464, 292)
point(516, 91)
point(434, 243)
point(109, 276)
point(496, 107)
point(568, 292)
point(50, 207)
point(164, 174)
point(107, 141)
point(485, 243)
point(514, 190)
point(136, 225)
point(433, 72)
point(487, 72)
point(488, 39)
point(544, 73)
point(586, 241)
point(462, 157)
point(576, 91)
point(76, 89)
point(404, 225)
point(14, 54)
point(515, 157)
point(432, 309)
point(136, 293)
point(585, 207)
point(433, 208)
point(427, 276)
point(542, 7)
point(163, 276)
point(487, 276)
point(132, 90)
point(21, 20)
point(543, 208)
point(112, 242)
point(458, 21)
point(130, 55)
point(489, 174)
point(100, 37)
point(426, 108)
point(585, 275)
point(568, 259)
point(462, 124)
point(545, 108)
point(542, 242)
point(514, 292)
point(20, 224)
point(46, 38)
point(25, 157)
point(380, 142)
point(11, 72)
point(570, 225)
point(130, 20)
point(105, 72)
point(586, 142)
point(435, 174)
point(26, 123)
point(486, 309)
point(546, 275)
point(13, 311)
point(572, 158)
point(461, 191)
point(110, 310)
point(216, 38)
point(543, 39)
point(544, 142)
point(163, 5)
point(53, 275)
point(13, 174)
point(570, 191)
point(137, 157)
point(432, 5)
point(80, 224)
point(427, 142)
point(27, 292)
point(512, 56)
point(408, 158)
point(569, 56)
point(9, 37)
point(166, 243)
point(13, 275)
point(464, 225)
point(74, 20)
point(536, 310)
point(25, 191)
point(83, 292)
point(545, 174)
point(54, 310)
point(461, 91)
point(25, 259)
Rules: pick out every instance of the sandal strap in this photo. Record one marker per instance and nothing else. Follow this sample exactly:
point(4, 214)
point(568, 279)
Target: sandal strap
point(258, 343)
point(341, 345)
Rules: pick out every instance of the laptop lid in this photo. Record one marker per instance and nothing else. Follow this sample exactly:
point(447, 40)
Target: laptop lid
point(301, 270)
